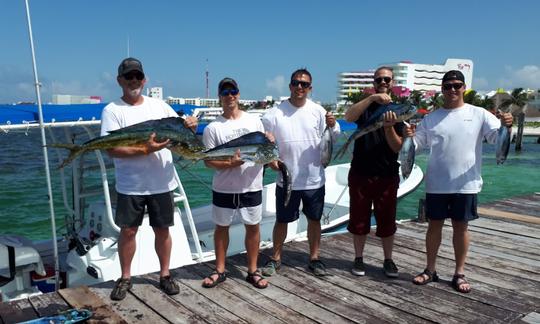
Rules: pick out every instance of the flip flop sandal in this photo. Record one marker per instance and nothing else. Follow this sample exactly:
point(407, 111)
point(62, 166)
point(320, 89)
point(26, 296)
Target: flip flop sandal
point(221, 276)
point(256, 282)
point(457, 281)
point(431, 277)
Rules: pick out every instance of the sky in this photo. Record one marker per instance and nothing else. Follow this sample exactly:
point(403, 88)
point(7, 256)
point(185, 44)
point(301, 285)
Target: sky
point(79, 44)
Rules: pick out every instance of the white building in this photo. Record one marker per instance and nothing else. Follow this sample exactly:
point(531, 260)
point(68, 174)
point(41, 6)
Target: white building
point(413, 76)
point(351, 82)
point(72, 100)
point(155, 92)
point(206, 102)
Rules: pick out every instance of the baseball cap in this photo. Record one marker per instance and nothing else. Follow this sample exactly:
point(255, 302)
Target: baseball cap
point(453, 75)
point(130, 64)
point(227, 81)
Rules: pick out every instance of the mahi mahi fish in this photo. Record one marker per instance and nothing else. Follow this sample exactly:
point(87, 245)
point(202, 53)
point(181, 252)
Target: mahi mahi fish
point(375, 121)
point(503, 143)
point(183, 140)
point(327, 143)
point(406, 157)
point(255, 147)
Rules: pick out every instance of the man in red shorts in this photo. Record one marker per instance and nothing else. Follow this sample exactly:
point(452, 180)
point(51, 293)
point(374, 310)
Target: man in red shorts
point(374, 174)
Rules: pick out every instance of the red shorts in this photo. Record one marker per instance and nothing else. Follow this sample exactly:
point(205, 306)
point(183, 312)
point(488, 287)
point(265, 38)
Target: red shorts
point(379, 192)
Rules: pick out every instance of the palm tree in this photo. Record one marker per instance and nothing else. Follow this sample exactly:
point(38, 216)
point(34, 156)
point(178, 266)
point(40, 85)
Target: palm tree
point(471, 97)
point(436, 101)
point(517, 98)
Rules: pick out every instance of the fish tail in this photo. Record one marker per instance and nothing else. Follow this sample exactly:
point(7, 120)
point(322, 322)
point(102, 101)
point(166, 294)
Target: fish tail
point(287, 184)
point(74, 151)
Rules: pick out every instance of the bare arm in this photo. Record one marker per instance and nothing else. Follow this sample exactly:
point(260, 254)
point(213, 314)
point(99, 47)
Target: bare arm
point(233, 162)
point(355, 111)
point(392, 138)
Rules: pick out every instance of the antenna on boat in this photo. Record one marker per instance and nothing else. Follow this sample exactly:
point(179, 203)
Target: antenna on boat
point(207, 88)
point(44, 142)
point(128, 47)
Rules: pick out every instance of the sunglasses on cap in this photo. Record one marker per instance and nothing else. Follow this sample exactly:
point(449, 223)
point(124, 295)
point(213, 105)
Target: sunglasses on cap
point(379, 80)
point(303, 84)
point(456, 86)
point(131, 75)
point(226, 92)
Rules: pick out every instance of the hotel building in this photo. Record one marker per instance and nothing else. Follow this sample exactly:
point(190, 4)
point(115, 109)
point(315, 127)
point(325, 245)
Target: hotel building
point(413, 76)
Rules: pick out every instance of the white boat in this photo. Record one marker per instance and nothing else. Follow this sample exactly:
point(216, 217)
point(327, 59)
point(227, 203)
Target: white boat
point(209, 114)
point(88, 253)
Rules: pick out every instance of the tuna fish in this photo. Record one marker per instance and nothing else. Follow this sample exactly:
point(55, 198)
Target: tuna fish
point(503, 143)
point(183, 140)
point(375, 121)
point(327, 146)
point(406, 156)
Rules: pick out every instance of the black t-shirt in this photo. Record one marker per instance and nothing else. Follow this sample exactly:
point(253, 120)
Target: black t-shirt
point(372, 155)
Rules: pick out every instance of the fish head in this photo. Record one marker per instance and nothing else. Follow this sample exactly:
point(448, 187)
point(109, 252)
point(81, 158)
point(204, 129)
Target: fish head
point(267, 153)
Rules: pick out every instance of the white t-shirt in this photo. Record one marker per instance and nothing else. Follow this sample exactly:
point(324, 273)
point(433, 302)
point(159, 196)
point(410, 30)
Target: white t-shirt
point(140, 175)
point(248, 177)
point(454, 137)
point(298, 132)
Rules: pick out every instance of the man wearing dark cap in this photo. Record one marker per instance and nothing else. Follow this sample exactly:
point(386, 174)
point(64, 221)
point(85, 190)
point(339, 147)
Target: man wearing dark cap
point(145, 176)
point(236, 186)
point(454, 134)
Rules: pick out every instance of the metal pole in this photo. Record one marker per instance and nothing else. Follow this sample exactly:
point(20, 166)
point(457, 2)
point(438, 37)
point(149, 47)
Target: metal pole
point(45, 156)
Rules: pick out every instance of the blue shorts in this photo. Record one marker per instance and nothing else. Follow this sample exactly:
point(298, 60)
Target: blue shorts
point(312, 202)
point(458, 207)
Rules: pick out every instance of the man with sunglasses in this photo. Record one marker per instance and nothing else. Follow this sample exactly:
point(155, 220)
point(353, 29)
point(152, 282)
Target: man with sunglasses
point(298, 124)
point(374, 175)
point(236, 186)
point(454, 134)
point(145, 176)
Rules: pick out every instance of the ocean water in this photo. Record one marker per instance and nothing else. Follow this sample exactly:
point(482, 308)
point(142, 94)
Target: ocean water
point(24, 208)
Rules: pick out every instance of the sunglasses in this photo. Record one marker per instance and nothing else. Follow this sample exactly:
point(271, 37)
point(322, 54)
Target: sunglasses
point(303, 84)
point(379, 80)
point(449, 86)
point(131, 75)
point(226, 92)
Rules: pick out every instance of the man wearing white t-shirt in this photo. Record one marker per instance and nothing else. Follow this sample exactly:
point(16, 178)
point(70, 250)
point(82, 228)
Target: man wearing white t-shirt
point(145, 176)
point(454, 135)
point(297, 125)
point(236, 186)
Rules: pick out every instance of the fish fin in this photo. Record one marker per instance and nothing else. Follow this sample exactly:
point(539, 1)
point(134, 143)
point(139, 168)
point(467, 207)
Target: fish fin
point(74, 151)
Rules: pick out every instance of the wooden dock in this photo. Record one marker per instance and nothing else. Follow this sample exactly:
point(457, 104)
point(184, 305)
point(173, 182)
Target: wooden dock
point(503, 268)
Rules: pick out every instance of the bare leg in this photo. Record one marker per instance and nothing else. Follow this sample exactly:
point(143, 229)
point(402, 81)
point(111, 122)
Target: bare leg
point(278, 236)
point(253, 238)
point(221, 243)
point(461, 240)
point(433, 241)
point(314, 238)
point(126, 249)
point(388, 245)
point(359, 243)
point(163, 246)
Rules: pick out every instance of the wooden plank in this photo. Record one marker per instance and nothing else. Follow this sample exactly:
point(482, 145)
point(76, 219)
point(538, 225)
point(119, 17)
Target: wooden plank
point(266, 310)
point(488, 253)
point(82, 297)
point(48, 304)
point(17, 311)
point(312, 292)
point(516, 294)
point(525, 229)
point(203, 307)
point(131, 309)
point(528, 205)
point(431, 304)
point(491, 240)
point(494, 213)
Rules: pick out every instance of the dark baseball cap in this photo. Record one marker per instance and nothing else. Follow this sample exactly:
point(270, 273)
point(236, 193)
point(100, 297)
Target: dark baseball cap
point(227, 81)
point(130, 64)
point(453, 75)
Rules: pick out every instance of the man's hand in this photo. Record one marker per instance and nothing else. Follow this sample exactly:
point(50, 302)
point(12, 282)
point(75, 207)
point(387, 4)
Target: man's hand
point(274, 165)
point(153, 146)
point(381, 98)
point(236, 159)
point(270, 137)
point(409, 130)
point(390, 119)
point(191, 122)
point(330, 119)
point(507, 119)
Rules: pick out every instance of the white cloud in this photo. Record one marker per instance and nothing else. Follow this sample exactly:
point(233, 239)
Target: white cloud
point(277, 86)
point(527, 76)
